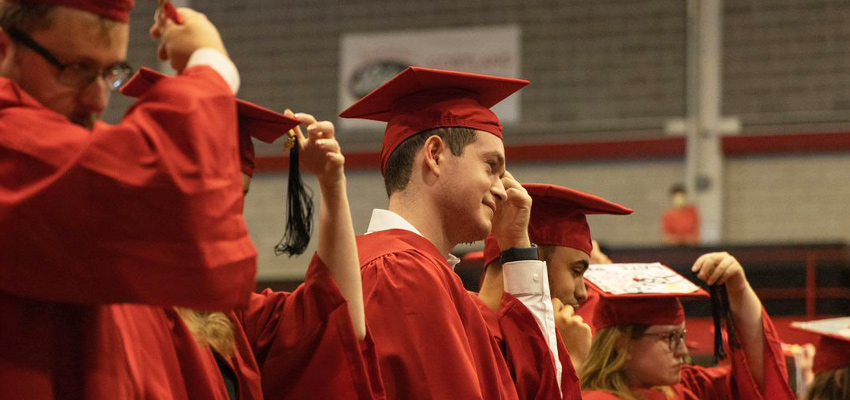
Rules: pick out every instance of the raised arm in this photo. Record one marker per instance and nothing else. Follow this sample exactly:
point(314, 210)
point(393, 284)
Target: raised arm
point(146, 211)
point(723, 268)
point(320, 154)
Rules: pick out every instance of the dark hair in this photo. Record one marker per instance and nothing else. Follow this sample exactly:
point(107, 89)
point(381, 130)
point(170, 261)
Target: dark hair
point(400, 164)
point(25, 17)
point(677, 188)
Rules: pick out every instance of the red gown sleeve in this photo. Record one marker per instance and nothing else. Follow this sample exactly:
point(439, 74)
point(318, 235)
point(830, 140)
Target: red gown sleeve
point(305, 344)
point(526, 352)
point(431, 338)
point(529, 358)
point(145, 211)
point(735, 381)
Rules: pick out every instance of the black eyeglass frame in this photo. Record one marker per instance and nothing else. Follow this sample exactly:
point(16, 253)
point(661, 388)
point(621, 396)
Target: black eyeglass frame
point(114, 75)
point(674, 338)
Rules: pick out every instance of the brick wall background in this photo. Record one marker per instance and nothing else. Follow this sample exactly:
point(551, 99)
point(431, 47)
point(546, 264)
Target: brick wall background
point(768, 199)
point(599, 69)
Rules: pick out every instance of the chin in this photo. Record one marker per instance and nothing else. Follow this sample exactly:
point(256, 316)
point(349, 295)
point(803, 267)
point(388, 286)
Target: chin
point(677, 378)
point(474, 232)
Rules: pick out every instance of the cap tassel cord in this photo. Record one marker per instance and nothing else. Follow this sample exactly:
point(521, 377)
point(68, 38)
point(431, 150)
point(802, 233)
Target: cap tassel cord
point(720, 311)
point(299, 206)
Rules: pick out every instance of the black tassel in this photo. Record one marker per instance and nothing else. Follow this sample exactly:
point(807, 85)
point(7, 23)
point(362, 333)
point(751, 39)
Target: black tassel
point(299, 210)
point(720, 311)
point(730, 322)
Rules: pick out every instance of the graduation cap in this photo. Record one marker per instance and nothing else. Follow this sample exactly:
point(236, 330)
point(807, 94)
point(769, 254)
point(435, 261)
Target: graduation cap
point(116, 10)
point(558, 218)
point(833, 348)
point(267, 126)
point(419, 99)
point(639, 294)
point(650, 294)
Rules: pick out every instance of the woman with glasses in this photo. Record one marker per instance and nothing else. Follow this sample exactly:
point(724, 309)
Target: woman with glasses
point(639, 350)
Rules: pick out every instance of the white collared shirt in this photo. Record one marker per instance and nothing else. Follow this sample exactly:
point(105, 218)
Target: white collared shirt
point(527, 280)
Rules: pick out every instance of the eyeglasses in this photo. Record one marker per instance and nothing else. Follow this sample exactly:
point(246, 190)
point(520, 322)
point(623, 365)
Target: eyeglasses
point(76, 74)
point(673, 338)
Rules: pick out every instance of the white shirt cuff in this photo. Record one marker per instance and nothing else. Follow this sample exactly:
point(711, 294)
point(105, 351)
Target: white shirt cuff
point(528, 281)
point(219, 62)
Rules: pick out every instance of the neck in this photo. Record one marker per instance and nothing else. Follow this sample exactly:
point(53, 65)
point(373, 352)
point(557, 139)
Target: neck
point(424, 216)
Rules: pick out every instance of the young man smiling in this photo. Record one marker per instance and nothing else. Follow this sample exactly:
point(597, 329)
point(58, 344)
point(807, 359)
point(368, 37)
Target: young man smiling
point(444, 169)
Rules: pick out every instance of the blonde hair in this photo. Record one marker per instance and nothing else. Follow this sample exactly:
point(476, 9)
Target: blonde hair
point(826, 386)
point(604, 368)
point(212, 329)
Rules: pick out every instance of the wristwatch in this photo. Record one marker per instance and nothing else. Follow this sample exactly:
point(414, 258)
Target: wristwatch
point(519, 254)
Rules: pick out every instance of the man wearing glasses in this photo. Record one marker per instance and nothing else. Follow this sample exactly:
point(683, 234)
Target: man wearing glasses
point(103, 229)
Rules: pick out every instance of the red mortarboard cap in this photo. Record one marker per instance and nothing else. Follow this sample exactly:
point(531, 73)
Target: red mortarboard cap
point(558, 215)
point(558, 218)
point(833, 348)
point(117, 10)
point(639, 294)
point(254, 121)
point(419, 99)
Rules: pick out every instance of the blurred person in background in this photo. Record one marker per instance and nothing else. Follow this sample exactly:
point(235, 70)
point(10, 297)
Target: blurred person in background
point(832, 359)
point(680, 223)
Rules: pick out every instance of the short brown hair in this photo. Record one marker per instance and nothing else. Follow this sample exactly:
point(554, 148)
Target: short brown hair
point(25, 17)
point(31, 18)
point(400, 164)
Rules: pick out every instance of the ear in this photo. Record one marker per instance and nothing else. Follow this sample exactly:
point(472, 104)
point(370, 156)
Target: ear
point(434, 154)
point(7, 52)
point(839, 377)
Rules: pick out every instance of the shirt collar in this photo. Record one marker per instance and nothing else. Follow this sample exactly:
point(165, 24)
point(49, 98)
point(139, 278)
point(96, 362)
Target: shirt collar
point(385, 219)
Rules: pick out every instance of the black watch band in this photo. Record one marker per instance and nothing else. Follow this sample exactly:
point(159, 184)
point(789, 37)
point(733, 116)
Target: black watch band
point(519, 254)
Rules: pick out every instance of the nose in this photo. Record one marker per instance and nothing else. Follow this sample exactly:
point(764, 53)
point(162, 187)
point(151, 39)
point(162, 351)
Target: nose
point(681, 349)
point(581, 291)
point(498, 190)
point(94, 97)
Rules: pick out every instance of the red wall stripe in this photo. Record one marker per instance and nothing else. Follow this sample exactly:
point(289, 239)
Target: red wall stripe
point(669, 147)
point(787, 144)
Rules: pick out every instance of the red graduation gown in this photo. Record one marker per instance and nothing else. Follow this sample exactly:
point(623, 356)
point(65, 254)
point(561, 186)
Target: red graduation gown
point(527, 353)
point(529, 357)
point(147, 211)
point(303, 345)
point(431, 339)
point(729, 382)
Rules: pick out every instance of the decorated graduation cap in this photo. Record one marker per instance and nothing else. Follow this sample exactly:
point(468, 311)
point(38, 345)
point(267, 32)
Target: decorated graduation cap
point(117, 10)
point(267, 126)
point(419, 99)
point(650, 294)
point(558, 218)
point(833, 348)
point(639, 294)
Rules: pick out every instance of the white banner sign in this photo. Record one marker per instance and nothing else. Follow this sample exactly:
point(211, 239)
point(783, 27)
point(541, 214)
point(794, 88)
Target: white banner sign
point(367, 60)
